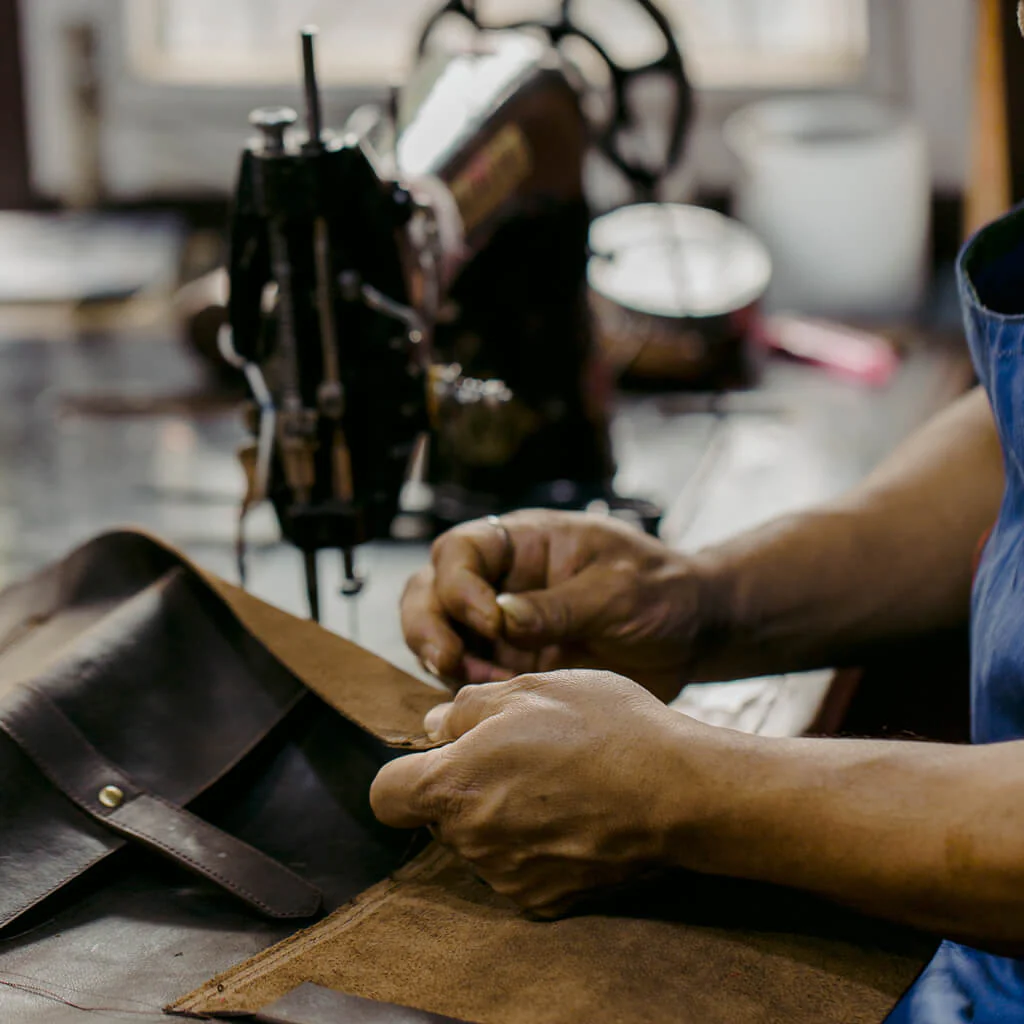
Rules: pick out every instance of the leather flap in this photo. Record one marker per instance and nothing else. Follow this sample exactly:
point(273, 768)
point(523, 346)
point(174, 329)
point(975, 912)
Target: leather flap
point(674, 949)
point(113, 798)
point(154, 664)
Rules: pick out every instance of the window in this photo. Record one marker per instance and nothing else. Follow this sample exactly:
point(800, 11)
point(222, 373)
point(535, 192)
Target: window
point(769, 43)
point(729, 43)
point(179, 77)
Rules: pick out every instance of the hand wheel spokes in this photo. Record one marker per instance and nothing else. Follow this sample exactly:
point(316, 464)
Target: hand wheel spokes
point(613, 138)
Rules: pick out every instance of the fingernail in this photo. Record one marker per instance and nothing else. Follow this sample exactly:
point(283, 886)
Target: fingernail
point(430, 659)
point(433, 722)
point(519, 612)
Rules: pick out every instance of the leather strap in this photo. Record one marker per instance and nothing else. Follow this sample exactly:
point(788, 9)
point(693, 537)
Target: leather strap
point(112, 798)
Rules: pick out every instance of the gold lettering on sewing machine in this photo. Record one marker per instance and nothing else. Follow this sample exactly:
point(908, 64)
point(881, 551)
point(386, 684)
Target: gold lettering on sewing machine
point(492, 175)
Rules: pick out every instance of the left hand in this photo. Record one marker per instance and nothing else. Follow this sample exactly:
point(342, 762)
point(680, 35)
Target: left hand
point(580, 590)
point(552, 786)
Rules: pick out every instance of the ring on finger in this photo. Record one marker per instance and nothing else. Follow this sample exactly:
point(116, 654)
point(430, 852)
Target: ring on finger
point(508, 554)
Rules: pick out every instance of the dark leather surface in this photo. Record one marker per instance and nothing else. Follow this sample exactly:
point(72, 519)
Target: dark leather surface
point(162, 690)
point(213, 721)
point(136, 936)
point(77, 769)
point(122, 950)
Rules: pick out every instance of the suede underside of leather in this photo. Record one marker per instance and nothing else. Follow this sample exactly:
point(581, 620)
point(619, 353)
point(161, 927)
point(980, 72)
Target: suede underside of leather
point(675, 950)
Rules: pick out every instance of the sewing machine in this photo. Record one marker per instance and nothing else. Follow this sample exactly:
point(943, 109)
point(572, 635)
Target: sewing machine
point(408, 297)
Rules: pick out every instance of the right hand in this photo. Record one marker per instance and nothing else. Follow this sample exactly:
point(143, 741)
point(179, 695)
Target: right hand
point(579, 591)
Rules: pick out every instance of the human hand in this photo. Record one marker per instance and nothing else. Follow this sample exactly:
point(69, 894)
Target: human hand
point(551, 590)
point(555, 785)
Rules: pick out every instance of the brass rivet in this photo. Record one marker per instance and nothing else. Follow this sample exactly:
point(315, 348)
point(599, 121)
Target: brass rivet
point(111, 796)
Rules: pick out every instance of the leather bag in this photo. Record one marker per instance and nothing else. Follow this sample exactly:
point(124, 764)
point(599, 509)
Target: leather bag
point(184, 777)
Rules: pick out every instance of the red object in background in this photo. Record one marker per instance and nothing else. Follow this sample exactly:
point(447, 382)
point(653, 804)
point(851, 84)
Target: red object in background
point(846, 351)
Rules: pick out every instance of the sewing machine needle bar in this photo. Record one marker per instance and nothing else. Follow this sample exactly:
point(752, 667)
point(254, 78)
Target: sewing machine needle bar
point(314, 117)
point(312, 584)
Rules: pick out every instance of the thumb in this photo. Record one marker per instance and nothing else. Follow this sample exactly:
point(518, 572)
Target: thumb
point(564, 612)
point(397, 793)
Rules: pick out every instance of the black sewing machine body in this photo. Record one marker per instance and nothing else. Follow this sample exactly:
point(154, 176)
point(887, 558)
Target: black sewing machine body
point(514, 311)
point(424, 307)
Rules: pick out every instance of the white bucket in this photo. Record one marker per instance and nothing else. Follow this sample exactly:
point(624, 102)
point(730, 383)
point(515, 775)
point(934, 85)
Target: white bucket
point(839, 189)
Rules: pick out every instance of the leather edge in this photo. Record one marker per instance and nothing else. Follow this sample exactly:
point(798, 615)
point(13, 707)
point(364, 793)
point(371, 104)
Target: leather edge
point(201, 1001)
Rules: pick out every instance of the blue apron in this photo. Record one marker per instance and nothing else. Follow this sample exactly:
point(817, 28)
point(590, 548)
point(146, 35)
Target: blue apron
point(961, 984)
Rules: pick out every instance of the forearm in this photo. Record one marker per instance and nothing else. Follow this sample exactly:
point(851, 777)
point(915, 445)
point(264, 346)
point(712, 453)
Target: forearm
point(890, 560)
point(925, 835)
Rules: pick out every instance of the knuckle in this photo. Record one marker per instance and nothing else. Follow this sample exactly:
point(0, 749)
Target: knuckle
point(417, 584)
point(601, 527)
point(528, 517)
point(530, 681)
point(624, 573)
point(469, 697)
point(437, 548)
point(540, 680)
point(457, 782)
point(623, 586)
point(438, 790)
point(450, 542)
point(559, 618)
point(480, 697)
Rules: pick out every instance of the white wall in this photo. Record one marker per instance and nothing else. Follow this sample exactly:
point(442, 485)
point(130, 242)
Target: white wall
point(935, 82)
point(940, 79)
point(160, 139)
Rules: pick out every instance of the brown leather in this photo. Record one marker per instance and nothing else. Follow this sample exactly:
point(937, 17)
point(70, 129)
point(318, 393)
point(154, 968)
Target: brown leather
point(197, 694)
point(679, 951)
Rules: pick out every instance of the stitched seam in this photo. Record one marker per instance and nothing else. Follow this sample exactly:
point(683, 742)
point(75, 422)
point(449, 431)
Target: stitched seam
point(42, 765)
point(245, 848)
point(198, 865)
point(338, 923)
point(67, 988)
point(37, 758)
point(266, 961)
point(36, 989)
point(36, 900)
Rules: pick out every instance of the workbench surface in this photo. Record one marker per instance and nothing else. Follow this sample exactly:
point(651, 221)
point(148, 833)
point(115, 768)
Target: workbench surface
point(106, 428)
point(95, 433)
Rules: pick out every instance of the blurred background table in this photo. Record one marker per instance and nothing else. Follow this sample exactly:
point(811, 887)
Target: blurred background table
point(107, 420)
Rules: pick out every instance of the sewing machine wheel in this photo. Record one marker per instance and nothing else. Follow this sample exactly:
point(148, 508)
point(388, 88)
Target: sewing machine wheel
point(619, 136)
